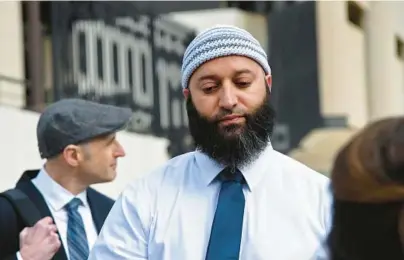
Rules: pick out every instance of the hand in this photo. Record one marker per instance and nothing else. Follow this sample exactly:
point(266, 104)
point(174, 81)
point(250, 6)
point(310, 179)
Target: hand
point(39, 242)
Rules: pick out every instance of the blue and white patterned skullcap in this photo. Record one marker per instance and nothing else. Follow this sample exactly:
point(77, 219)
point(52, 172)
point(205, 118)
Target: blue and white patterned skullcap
point(220, 41)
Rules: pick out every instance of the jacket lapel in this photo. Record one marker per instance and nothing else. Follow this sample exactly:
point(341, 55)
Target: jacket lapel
point(96, 209)
point(25, 185)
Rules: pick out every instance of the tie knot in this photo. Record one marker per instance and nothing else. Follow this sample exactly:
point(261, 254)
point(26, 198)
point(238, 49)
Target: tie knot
point(74, 204)
point(231, 175)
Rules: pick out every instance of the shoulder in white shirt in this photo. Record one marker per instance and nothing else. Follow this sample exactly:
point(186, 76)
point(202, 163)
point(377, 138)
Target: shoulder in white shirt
point(167, 215)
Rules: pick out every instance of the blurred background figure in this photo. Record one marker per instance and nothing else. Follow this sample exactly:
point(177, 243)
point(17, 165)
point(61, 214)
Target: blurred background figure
point(77, 138)
point(368, 187)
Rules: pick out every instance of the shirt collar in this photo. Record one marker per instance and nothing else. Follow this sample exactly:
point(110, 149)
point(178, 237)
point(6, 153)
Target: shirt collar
point(209, 168)
point(54, 193)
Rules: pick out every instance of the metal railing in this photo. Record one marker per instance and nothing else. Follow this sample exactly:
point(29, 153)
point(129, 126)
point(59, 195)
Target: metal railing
point(10, 83)
point(48, 96)
point(4, 78)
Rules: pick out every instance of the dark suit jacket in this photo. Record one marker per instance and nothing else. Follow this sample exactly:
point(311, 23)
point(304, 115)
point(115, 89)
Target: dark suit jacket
point(11, 225)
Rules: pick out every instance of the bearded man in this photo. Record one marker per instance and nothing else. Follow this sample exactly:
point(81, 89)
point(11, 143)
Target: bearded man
point(235, 197)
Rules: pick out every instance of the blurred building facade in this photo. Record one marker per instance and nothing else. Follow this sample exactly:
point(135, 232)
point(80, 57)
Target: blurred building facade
point(336, 66)
point(360, 72)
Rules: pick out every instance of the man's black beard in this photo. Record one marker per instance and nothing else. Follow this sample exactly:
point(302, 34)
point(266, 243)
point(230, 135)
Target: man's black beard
point(233, 150)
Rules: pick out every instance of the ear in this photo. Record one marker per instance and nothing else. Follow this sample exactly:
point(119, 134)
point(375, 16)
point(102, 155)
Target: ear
point(268, 79)
point(72, 155)
point(185, 92)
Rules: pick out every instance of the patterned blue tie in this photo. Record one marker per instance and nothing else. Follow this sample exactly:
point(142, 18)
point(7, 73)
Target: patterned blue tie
point(76, 234)
point(225, 237)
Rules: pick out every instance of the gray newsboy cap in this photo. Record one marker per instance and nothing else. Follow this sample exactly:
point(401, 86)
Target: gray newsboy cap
point(73, 121)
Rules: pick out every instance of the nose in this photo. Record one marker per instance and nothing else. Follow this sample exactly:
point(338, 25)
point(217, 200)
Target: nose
point(119, 152)
point(228, 97)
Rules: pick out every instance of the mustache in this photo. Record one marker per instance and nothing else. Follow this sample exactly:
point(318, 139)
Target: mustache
point(227, 112)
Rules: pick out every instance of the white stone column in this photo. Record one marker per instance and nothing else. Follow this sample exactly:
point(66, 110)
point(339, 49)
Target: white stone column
point(341, 63)
point(12, 91)
point(385, 71)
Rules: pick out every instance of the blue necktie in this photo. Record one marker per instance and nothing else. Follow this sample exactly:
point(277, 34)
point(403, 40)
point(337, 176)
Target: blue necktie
point(76, 234)
point(225, 237)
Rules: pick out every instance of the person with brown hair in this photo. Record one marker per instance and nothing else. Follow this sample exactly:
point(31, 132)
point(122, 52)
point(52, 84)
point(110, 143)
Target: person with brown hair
point(368, 188)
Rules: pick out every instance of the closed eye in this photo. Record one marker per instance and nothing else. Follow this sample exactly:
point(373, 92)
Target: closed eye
point(210, 89)
point(243, 84)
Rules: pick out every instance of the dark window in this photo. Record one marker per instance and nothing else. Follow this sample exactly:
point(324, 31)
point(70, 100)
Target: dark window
point(355, 14)
point(82, 53)
point(100, 56)
point(130, 68)
point(399, 48)
point(115, 62)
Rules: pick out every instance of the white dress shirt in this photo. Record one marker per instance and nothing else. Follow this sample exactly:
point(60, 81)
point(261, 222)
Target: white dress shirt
point(168, 214)
point(56, 197)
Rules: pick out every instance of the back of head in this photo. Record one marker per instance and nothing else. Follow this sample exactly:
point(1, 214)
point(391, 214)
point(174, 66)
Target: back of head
point(368, 186)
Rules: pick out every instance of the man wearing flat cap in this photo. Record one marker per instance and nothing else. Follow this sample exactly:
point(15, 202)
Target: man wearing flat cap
point(235, 197)
point(77, 139)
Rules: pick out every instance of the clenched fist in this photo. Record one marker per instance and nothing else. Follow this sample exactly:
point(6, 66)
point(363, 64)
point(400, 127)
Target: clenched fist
point(39, 242)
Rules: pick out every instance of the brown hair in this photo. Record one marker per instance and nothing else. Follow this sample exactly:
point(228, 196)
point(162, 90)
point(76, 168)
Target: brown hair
point(368, 188)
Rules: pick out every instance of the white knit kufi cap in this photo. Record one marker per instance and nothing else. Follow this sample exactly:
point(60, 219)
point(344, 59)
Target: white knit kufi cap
point(221, 41)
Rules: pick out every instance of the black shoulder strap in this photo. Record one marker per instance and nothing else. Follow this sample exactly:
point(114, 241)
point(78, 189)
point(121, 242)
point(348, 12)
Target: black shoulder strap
point(23, 206)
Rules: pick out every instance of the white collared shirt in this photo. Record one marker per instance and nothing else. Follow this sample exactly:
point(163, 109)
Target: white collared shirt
point(56, 197)
point(168, 214)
